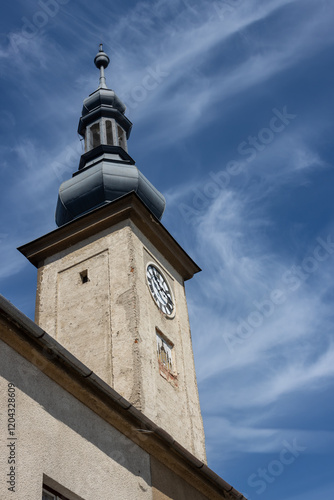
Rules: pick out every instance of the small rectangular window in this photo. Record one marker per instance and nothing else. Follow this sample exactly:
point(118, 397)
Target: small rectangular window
point(166, 361)
point(110, 139)
point(121, 138)
point(50, 494)
point(95, 135)
point(84, 276)
point(164, 351)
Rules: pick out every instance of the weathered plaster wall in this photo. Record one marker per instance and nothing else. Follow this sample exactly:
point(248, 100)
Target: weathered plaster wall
point(168, 486)
point(175, 408)
point(110, 324)
point(59, 437)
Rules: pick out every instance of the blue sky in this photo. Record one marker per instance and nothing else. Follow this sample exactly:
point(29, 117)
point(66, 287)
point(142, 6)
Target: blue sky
point(232, 105)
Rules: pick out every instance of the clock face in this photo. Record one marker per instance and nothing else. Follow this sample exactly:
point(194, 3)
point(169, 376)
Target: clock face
point(159, 289)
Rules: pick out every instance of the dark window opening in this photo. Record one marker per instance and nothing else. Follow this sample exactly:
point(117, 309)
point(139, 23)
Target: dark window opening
point(50, 494)
point(95, 131)
point(121, 137)
point(110, 139)
point(84, 276)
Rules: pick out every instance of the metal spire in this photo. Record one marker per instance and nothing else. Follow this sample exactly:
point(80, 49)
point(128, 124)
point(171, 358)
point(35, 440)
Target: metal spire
point(102, 61)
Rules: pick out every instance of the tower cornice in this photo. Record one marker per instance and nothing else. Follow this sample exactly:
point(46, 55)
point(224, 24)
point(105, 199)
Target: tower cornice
point(128, 207)
point(99, 151)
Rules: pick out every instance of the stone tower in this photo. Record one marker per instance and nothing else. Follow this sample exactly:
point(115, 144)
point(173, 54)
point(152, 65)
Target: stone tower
point(111, 278)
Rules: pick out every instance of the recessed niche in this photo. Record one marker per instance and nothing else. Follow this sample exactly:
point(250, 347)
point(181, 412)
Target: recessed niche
point(84, 276)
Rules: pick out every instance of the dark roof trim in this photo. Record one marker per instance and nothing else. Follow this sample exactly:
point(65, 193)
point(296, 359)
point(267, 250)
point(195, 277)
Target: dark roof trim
point(57, 354)
point(104, 148)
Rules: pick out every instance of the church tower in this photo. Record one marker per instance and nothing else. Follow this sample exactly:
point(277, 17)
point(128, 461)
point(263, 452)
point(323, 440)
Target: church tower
point(111, 278)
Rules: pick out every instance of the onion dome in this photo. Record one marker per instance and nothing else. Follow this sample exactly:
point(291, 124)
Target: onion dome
point(106, 170)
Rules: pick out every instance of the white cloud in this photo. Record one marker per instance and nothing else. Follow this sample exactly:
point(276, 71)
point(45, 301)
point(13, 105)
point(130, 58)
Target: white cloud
point(285, 354)
point(185, 104)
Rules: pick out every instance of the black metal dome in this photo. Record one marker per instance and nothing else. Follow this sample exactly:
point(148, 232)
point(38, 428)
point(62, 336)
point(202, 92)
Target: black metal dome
point(106, 171)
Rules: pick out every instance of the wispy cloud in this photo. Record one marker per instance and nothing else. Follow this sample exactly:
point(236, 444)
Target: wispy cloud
point(280, 356)
point(186, 105)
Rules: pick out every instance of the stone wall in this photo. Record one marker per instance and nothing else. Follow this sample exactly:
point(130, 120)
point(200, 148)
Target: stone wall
point(94, 299)
point(63, 443)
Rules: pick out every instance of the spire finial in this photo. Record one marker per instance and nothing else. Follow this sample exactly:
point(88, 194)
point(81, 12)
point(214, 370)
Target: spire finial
point(102, 61)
